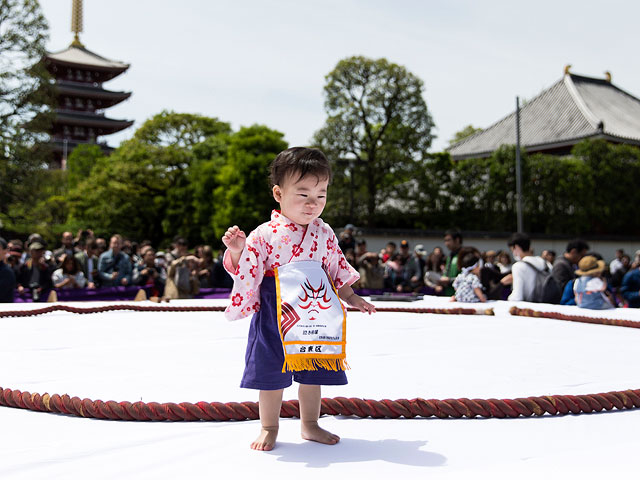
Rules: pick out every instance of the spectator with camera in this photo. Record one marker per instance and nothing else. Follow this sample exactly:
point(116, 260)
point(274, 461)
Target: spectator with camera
point(14, 256)
point(7, 276)
point(371, 272)
point(180, 249)
point(35, 274)
point(346, 239)
point(182, 278)
point(148, 274)
point(414, 269)
point(114, 266)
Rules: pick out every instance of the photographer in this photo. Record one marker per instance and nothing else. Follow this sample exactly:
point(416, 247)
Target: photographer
point(147, 274)
point(35, 274)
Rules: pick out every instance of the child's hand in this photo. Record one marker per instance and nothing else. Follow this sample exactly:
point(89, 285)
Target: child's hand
point(234, 239)
point(361, 304)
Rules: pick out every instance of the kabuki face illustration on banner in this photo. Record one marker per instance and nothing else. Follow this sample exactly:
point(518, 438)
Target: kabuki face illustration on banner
point(310, 310)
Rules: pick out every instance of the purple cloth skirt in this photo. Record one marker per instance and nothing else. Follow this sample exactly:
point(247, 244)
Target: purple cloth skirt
point(265, 355)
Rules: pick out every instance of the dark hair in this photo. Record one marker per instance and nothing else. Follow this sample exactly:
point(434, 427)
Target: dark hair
point(3, 243)
point(74, 261)
point(595, 254)
point(299, 161)
point(578, 244)
point(362, 241)
point(178, 240)
point(520, 239)
point(454, 233)
point(392, 244)
point(468, 259)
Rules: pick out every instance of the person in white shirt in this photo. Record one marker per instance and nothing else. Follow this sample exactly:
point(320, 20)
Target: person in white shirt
point(526, 268)
point(616, 263)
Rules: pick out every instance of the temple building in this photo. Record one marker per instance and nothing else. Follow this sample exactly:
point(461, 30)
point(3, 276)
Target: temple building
point(573, 109)
point(81, 100)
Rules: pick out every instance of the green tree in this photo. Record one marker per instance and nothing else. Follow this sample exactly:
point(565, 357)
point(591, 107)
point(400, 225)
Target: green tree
point(81, 161)
point(171, 129)
point(464, 133)
point(143, 189)
point(25, 96)
point(243, 195)
point(378, 126)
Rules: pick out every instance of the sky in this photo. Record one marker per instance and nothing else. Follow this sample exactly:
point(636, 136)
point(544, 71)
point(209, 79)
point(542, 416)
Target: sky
point(248, 62)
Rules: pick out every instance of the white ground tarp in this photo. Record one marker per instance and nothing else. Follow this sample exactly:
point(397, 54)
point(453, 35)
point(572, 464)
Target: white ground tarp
point(191, 357)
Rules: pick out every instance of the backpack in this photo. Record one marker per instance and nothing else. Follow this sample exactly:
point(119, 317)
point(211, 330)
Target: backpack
point(546, 289)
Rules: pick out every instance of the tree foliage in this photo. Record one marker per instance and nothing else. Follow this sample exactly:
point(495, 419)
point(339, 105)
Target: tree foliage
point(243, 195)
point(378, 126)
point(25, 98)
point(589, 192)
point(24, 84)
point(464, 133)
point(170, 180)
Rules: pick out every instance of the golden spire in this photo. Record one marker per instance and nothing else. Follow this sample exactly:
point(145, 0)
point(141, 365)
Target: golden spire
point(76, 23)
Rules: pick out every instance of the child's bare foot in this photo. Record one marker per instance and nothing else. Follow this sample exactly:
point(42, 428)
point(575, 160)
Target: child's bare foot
point(312, 431)
point(266, 440)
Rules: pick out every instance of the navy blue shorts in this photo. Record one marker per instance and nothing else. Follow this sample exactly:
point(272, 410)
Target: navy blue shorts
point(265, 356)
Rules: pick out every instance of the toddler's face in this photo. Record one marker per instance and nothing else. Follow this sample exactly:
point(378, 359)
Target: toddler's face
point(301, 200)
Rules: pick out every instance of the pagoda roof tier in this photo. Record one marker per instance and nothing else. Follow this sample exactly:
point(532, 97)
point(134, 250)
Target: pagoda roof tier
point(574, 108)
point(80, 58)
point(59, 146)
point(108, 97)
point(107, 125)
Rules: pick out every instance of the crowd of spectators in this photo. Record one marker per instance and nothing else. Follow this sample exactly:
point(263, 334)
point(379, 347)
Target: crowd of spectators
point(515, 273)
point(463, 273)
point(87, 262)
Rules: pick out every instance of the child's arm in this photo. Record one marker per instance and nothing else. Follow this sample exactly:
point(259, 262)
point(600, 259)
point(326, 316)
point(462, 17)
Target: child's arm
point(348, 295)
point(235, 240)
point(604, 285)
point(480, 294)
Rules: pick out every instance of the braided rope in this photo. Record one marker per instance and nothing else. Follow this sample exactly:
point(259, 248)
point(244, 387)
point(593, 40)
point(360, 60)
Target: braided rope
point(418, 407)
point(149, 308)
point(528, 312)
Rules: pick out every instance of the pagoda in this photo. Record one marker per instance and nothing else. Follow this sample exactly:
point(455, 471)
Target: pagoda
point(79, 115)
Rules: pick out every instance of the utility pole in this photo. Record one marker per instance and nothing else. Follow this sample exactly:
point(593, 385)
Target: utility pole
point(518, 169)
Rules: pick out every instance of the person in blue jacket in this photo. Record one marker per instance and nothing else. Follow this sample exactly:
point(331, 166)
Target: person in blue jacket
point(630, 288)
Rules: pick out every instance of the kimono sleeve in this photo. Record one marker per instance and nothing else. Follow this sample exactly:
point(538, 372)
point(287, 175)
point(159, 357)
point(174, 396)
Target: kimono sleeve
point(247, 277)
point(341, 272)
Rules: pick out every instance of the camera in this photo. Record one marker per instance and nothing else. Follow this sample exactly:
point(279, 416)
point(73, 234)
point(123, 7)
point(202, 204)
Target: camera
point(35, 294)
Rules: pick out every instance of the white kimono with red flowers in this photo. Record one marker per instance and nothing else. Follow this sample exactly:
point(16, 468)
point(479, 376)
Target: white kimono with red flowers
point(276, 243)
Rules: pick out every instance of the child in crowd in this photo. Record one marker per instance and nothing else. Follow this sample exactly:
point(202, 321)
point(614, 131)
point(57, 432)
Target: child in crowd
point(467, 284)
point(590, 288)
point(286, 274)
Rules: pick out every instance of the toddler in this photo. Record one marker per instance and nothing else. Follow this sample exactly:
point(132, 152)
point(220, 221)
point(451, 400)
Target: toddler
point(467, 284)
point(288, 274)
